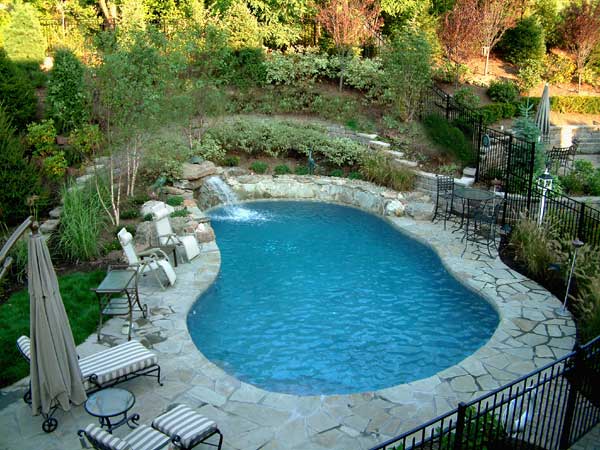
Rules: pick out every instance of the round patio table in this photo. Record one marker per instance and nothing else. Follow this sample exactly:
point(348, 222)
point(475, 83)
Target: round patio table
point(109, 403)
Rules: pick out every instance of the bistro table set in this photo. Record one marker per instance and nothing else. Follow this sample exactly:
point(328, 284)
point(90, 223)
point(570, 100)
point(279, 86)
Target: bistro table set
point(475, 212)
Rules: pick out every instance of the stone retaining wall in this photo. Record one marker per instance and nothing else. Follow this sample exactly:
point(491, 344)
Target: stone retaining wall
point(357, 193)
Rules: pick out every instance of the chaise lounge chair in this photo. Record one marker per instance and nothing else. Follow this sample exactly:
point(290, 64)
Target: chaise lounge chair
point(167, 237)
point(108, 367)
point(180, 426)
point(151, 260)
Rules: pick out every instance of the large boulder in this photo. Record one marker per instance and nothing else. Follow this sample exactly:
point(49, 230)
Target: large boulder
point(196, 171)
point(147, 207)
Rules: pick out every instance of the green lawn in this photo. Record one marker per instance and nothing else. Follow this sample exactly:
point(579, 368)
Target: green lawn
point(82, 309)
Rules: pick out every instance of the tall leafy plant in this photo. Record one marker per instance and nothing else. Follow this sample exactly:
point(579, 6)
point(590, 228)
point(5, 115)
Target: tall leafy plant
point(16, 93)
point(23, 38)
point(67, 98)
point(407, 66)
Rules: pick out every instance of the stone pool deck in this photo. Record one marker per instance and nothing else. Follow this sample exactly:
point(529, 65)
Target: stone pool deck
point(530, 335)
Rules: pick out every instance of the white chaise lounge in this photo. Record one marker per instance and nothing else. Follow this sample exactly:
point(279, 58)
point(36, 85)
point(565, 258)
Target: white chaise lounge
point(187, 242)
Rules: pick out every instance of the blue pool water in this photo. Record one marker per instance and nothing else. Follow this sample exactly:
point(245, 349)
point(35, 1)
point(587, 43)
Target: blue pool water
point(317, 298)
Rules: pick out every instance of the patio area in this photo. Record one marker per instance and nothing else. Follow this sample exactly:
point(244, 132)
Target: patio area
point(529, 335)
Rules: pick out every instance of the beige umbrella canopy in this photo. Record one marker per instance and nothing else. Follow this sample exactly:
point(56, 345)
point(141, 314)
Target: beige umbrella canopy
point(55, 374)
point(542, 116)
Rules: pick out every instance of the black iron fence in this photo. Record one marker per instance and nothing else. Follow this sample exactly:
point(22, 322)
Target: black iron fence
point(550, 408)
point(510, 162)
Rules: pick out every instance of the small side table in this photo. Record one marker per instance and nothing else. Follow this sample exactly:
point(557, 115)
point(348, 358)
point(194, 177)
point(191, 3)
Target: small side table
point(119, 282)
point(110, 403)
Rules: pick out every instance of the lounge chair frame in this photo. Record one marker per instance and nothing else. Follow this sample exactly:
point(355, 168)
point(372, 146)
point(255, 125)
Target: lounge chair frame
point(50, 423)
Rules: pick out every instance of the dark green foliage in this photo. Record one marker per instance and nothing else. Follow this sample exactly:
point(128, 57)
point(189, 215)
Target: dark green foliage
point(23, 37)
point(247, 67)
point(259, 167)
point(355, 175)
point(583, 179)
point(18, 178)
point(450, 138)
point(180, 213)
point(128, 214)
point(148, 218)
point(42, 138)
point(523, 42)
point(140, 199)
point(175, 200)
point(467, 98)
point(301, 170)
point(16, 93)
point(232, 161)
point(67, 98)
point(339, 173)
point(494, 112)
point(81, 306)
point(503, 91)
point(282, 169)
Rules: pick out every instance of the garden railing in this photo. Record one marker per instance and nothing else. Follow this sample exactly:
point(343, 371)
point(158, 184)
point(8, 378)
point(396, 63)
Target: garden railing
point(550, 408)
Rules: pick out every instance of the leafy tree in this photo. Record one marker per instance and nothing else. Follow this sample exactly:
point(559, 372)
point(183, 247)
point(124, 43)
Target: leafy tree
point(16, 93)
point(581, 33)
point(407, 65)
point(459, 33)
point(23, 37)
point(496, 16)
point(281, 20)
point(18, 177)
point(242, 26)
point(67, 98)
point(350, 23)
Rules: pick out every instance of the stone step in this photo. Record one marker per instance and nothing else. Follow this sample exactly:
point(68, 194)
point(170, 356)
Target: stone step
point(49, 226)
point(56, 212)
point(379, 144)
point(367, 136)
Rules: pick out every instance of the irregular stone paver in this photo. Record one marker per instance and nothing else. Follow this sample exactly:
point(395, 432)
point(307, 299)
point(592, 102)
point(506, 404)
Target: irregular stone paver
point(253, 418)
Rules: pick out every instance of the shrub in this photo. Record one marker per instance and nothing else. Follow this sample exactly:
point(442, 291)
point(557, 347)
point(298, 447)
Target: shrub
point(180, 213)
point(232, 161)
point(247, 67)
point(339, 173)
point(296, 68)
point(175, 200)
point(523, 42)
point(16, 93)
point(450, 138)
point(377, 167)
point(355, 175)
point(55, 165)
point(282, 169)
point(148, 217)
point(242, 27)
point(532, 246)
point(18, 178)
point(559, 69)
point(583, 179)
point(23, 38)
point(66, 98)
point(259, 167)
point(576, 104)
point(530, 74)
point(84, 141)
point(81, 222)
point(128, 214)
point(164, 158)
point(42, 137)
point(467, 98)
point(494, 112)
point(301, 170)
point(210, 149)
point(587, 305)
point(503, 91)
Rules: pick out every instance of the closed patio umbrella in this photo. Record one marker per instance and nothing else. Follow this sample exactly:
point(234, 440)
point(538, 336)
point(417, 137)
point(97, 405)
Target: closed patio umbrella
point(542, 116)
point(55, 374)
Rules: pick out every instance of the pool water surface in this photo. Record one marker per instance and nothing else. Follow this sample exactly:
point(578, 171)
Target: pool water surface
point(316, 298)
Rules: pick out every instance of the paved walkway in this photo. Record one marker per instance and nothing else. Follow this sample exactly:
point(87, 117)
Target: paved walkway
point(529, 335)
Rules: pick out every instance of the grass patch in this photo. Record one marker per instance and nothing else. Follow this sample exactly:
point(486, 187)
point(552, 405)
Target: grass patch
point(82, 309)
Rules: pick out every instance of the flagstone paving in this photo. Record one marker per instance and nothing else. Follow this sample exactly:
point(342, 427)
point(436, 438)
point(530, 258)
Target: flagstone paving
point(530, 334)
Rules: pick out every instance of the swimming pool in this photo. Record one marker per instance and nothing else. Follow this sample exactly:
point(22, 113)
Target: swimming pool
point(316, 298)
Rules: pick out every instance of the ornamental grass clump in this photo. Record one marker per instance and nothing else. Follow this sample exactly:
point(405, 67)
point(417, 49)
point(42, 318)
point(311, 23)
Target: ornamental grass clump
point(378, 168)
point(532, 246)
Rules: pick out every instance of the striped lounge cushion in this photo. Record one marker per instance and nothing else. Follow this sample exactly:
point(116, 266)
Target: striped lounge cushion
point(103, 439)
point(186, 423)
point(146, 438)
point(24, 345)
point(116, 362)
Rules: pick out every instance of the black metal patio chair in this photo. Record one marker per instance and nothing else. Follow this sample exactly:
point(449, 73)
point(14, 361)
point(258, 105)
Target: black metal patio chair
point(484, 227)
point(444, 198)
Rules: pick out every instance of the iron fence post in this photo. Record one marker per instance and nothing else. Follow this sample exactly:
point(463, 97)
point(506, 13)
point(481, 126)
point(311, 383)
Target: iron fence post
point(461, 412)
point(530, 181)
point(565, 433)
point(506, 176)
point(448, 107)
point(581, 224)
point(478, 147)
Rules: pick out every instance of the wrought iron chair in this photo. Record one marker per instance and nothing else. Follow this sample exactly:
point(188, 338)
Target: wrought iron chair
point(562, 157)
point(444, 197)
point(485, 226)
